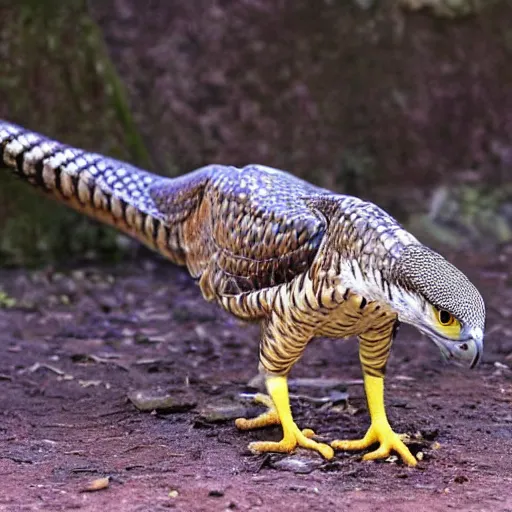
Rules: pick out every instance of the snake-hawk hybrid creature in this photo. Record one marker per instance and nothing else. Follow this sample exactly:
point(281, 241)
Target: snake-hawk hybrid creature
point(266, 246)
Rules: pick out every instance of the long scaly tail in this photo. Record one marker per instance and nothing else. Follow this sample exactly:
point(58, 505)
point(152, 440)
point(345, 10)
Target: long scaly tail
point(103, 188)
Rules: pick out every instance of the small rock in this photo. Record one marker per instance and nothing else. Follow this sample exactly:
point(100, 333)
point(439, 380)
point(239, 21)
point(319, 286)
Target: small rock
point(68, 287)
point(78, 275)
point(108, 303)
point(296, 464)
point(216, 493)
point(218, 412)
point(337, 397)
point(163, 401)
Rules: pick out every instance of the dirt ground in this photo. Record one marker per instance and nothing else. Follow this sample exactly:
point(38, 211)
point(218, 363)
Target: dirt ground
point(76, 342)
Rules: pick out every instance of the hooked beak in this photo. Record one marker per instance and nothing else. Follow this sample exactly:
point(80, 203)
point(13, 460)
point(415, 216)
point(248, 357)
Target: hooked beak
point(466, 352)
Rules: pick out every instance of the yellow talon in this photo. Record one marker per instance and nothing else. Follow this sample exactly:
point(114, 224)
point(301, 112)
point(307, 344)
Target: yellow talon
point(289, 442)
point(307, 432)
point(380, 431)
point(280, 413)
point(266, 419)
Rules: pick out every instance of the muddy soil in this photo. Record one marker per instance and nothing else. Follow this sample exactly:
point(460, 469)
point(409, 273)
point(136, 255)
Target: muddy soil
point(78, 340)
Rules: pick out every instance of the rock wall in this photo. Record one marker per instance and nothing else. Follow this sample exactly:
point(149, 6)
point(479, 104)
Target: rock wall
point(332, 91)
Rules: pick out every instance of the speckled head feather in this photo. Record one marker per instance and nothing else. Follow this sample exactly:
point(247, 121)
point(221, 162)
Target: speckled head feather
point(422, 270)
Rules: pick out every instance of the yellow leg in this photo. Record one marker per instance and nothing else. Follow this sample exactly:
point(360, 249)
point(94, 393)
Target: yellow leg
point(380, 431)
point(280, 412)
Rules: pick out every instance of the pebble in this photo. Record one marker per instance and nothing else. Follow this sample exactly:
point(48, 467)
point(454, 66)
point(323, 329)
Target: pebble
point(151, 400)
point(295, 464)
point(218, 412)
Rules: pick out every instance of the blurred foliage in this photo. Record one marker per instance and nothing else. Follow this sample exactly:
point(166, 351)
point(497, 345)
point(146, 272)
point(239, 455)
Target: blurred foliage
point(6, 301)
point(58, 79)
point(466, 217)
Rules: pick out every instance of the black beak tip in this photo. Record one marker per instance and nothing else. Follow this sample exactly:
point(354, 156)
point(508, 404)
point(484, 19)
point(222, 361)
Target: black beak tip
point(476, 360)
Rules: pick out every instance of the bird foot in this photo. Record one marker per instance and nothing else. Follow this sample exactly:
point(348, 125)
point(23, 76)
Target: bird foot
point(293, 436)
point(266, 419)
point(379, 432)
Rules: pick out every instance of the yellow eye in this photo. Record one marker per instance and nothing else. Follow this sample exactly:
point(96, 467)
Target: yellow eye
point(446, 319)
point(448, 324)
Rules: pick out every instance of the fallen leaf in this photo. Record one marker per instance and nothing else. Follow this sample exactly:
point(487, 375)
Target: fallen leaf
point(97, 484)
